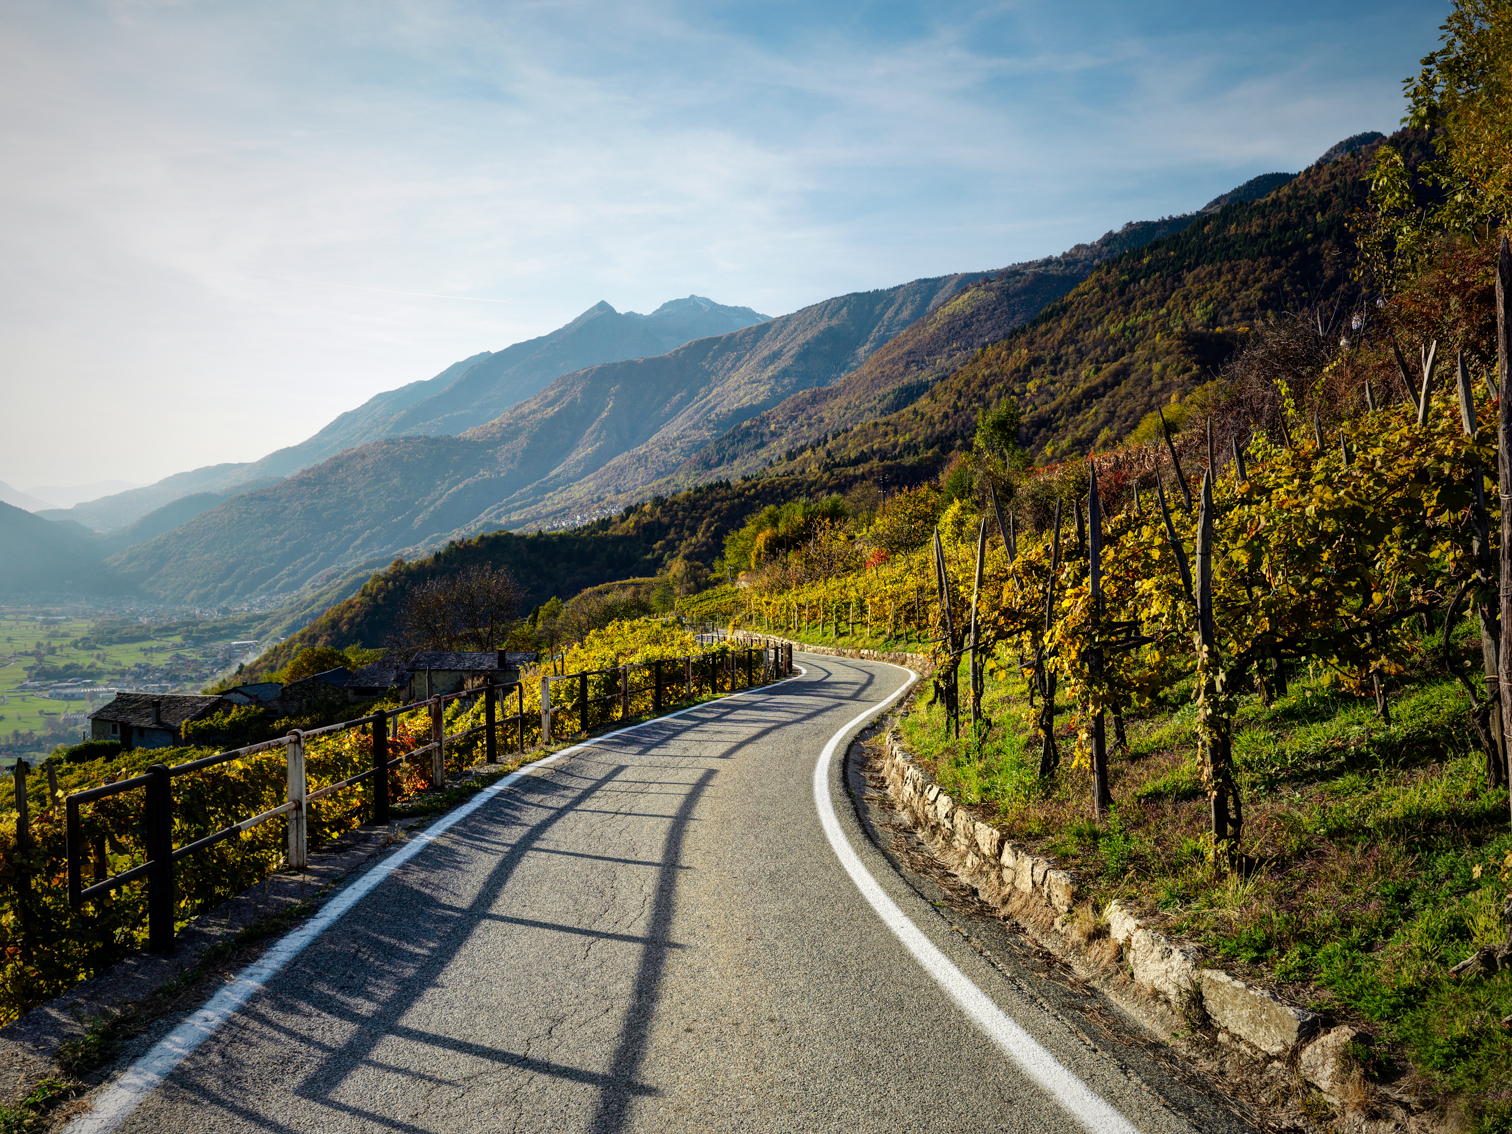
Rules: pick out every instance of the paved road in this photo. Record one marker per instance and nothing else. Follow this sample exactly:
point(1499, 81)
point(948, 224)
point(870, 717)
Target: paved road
point(652, 934)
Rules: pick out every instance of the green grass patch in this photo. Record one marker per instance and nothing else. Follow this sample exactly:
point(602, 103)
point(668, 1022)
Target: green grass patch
point(1373, 853)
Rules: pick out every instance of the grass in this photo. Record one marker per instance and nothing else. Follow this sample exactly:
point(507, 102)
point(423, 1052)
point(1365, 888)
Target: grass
point(108, 663)
point(1373, 855)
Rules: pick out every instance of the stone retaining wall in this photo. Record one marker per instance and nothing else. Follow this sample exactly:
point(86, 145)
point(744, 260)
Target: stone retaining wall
point(1034, 890)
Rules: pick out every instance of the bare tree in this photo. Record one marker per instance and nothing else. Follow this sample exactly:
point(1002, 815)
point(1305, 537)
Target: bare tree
point(470, 609)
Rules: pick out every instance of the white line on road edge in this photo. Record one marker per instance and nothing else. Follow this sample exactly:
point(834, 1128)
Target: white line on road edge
point(1069, 1091)
point(147, 1073)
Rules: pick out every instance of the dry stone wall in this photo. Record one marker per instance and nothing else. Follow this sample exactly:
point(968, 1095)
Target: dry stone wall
point(1014, 879)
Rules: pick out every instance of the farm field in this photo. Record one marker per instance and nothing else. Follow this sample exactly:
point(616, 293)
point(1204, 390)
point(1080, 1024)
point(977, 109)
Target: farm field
point(36, 645)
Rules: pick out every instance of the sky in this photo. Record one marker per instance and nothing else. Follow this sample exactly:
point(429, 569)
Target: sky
point(224, 223)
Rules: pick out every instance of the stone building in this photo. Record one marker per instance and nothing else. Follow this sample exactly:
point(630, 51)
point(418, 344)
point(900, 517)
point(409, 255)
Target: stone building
point(150, 720)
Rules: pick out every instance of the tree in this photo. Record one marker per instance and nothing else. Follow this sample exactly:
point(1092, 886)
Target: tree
point(1462, 97)
point(470, 609)
point(907, 519)
point(312, 660)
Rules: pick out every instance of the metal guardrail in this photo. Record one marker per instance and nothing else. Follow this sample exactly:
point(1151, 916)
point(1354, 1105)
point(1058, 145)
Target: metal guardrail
point(708, 670)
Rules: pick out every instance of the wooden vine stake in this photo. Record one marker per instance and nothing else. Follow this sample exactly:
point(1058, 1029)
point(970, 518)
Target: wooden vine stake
point(1102, 798)
point(950, 686)
point(1043, 674)
point(1214, 695)
point(1165, 431)
point(1496, 744)
point(1504, 470)
point(976, 661)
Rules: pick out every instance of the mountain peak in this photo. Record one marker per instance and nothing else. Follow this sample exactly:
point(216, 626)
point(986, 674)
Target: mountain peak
point(1349, 145)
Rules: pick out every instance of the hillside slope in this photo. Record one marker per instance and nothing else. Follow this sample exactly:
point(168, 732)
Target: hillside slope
point(467, 393)
point(406, 495)
point(38, 555)
point(1142, 330)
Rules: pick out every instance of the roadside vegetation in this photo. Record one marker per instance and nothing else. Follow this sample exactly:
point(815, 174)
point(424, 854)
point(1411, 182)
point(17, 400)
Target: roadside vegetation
point(1233, 669)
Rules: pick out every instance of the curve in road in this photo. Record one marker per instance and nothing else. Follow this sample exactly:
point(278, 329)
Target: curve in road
point(647, 932)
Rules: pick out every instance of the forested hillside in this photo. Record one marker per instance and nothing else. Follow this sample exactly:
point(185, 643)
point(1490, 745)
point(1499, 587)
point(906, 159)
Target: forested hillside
point(408, 495)
point(1144, 329)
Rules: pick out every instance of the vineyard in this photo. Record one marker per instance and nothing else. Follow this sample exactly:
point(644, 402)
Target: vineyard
point(626, 671)
point(1249, 681)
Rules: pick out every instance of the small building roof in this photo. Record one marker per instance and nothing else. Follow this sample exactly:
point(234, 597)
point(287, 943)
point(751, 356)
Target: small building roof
point(338, 678)
point(175, 709)
point(257, 693)
point(379, 675)
point(467, 661)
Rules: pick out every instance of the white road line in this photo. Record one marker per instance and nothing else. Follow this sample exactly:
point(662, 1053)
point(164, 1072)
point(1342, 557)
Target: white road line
point(148, 1073)
point(1069, 1091)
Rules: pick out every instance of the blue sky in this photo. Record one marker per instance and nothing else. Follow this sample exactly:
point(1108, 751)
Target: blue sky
point(224, 223)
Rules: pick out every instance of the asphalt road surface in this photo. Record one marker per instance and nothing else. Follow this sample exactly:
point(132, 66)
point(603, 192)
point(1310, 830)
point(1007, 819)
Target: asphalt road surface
point(653, 933)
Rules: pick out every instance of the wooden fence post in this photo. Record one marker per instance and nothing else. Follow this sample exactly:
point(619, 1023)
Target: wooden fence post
point(23, 815)
point(438, 737)
point(379, 729)
point(545, 708)
point(583, 701)
point(491, 742)
point(158, 816)
point(298, 823)
point(624, 692)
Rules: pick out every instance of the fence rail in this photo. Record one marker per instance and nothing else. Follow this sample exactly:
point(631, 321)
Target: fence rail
point(581, 713)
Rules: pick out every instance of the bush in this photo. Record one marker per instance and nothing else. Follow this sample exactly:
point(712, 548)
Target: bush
point(90, 750)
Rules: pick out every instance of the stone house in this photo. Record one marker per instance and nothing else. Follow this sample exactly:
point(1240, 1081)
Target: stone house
point(151, 720)
point(427, 673)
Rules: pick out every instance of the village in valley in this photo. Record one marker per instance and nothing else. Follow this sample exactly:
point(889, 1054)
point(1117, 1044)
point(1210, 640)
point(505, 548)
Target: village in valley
point(60, 661)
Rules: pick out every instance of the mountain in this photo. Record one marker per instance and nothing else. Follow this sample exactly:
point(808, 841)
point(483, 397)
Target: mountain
point(480, 388)
point(596, 438)
point(406, 494)
point(18, 499)
point(67, 495)
point(36, 555)
point(1252, 190)
point(894, 376)
point(111, 513)
point(467, 393)
point(1144, 329)
point(171, 515)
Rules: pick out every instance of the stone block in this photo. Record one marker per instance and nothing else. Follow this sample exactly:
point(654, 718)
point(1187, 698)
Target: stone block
point(1008, 861)
point(1256, 1015)
point(1023, 876)
point(1160, 964)
point(1122, 924)
point(943, 805)
point(931, 792)
point(1041, 868)
point(1060, 889)
point(989, 840)
point(964, 828)
point(1327, 1064)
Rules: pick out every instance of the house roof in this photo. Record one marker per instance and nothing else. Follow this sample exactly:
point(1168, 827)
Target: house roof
point(468, 661)
point(379, 675)
point(136, 709)
point(391, 674)
point(255, 694)
point(340, 677)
